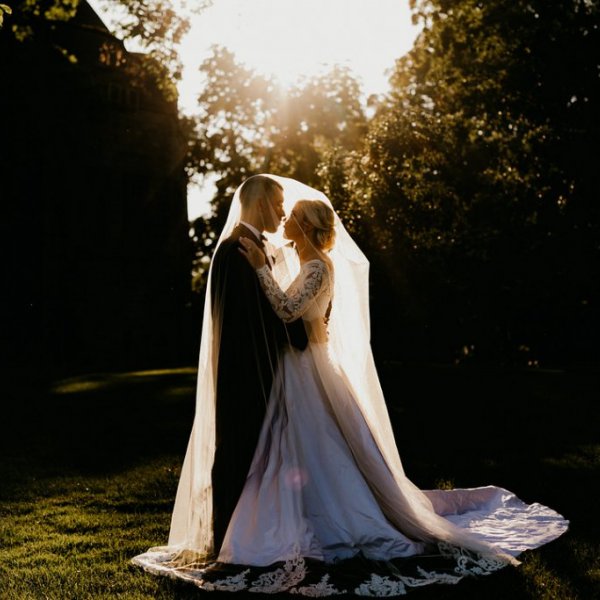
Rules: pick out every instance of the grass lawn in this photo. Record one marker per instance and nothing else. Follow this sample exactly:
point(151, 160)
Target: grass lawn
point(89, 468)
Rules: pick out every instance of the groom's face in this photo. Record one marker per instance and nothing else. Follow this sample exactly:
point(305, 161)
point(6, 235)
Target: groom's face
point(273, 211)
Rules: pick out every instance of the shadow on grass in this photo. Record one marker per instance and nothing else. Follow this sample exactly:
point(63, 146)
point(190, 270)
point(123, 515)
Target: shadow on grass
point(101, 423)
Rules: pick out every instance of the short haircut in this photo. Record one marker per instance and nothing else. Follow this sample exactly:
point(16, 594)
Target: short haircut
point(256, 187)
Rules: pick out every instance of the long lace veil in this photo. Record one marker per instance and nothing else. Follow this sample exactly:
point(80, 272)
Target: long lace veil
point(350, 350)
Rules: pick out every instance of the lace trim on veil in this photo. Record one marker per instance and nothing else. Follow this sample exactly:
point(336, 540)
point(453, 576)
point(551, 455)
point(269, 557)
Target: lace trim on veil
point(296, 575)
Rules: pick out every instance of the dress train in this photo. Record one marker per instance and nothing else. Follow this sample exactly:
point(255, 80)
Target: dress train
point(309, 520)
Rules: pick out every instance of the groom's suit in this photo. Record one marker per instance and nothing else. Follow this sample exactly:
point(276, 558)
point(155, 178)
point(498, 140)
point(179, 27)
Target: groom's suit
point(251, 339)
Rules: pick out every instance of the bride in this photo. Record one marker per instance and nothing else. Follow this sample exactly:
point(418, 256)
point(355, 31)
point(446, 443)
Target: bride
point(326, 487)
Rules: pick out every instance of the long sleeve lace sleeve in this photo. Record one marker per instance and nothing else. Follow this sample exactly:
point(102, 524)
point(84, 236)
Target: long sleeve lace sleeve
point(295, 301)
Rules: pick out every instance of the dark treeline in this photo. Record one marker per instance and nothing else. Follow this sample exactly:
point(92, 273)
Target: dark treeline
point(94, 228)
point(471, 185)
point(472, 189)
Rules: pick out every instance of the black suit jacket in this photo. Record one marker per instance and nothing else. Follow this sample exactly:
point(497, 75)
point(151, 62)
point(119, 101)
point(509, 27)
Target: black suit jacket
point(251, 338)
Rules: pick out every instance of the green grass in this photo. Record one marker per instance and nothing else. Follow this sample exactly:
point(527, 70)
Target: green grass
point(90, 465)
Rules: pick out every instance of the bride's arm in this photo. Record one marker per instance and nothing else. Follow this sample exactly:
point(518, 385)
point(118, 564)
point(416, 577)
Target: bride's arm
point(293, 303)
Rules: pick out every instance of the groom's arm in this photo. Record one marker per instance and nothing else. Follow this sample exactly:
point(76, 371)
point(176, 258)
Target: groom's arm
point(235, 288)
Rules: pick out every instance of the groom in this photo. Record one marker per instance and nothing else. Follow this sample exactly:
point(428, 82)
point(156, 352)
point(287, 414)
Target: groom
point(251, 337)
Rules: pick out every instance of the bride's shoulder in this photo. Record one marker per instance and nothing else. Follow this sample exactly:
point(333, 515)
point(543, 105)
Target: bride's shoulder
point(323, 264)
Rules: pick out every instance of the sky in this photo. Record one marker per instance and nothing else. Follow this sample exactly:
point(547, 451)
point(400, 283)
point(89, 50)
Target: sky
point(291, 38)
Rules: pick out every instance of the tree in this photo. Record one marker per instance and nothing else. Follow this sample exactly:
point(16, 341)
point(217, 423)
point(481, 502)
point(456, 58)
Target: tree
point(247, 124)
point(157, 26)
point(93, 189)
point(477, 177)
point(318, 115)
point(4, 10)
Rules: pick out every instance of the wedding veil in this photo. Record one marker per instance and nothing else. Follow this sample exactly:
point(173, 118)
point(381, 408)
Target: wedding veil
point(350, 351)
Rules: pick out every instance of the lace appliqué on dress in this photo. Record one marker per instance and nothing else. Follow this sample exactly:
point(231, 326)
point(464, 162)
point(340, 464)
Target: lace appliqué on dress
point(233, 583)
point(318, 590)
point(280, 580)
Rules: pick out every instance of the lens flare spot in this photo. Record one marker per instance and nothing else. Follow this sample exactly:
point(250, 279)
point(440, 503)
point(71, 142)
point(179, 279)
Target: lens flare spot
point(296, 478)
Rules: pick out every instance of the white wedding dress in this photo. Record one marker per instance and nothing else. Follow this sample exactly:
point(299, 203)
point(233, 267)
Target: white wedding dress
point(327, 508)
point(308, 494)
point(305, 494)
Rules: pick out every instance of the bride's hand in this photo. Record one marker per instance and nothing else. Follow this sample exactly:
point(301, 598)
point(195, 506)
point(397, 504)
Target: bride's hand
point(252, 253)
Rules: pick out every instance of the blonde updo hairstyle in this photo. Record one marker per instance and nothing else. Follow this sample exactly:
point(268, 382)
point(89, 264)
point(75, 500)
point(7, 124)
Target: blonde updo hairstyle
point(321, 217)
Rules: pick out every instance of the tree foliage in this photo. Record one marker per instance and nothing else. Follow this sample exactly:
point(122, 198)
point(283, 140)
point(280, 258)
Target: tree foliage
point(247, 123)
point(4, 10)
point(476, 180)
point(156, 26)
point(472, 188)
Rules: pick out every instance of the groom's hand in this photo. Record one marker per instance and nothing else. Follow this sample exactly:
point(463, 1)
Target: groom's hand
point(252, 252)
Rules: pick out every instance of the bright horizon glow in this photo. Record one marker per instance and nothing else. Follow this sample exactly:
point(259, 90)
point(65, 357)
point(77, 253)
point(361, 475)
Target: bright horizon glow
point(290, 39)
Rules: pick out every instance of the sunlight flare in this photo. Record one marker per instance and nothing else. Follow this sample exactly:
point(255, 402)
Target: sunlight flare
point(288, 39)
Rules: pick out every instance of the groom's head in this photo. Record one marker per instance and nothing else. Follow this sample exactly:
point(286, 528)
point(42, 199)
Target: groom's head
point(262, 202)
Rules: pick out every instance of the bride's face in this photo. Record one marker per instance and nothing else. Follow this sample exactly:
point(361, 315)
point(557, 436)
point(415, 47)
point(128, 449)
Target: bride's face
point(294, 228)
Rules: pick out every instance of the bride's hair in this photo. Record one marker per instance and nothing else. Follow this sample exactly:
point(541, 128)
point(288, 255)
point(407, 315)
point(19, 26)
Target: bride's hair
point(322, 218)
point(256, 187)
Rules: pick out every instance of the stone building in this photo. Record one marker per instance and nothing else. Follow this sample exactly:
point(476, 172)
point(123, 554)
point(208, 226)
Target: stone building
point(92, 186)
